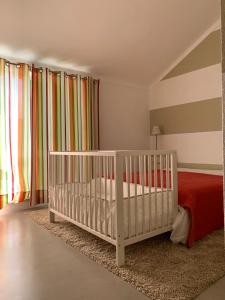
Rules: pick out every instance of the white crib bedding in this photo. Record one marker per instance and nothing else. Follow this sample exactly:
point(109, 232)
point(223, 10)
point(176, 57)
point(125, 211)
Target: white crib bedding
point(148, 211)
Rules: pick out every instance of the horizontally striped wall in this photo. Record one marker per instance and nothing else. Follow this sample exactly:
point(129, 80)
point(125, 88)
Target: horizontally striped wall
point(187, 106)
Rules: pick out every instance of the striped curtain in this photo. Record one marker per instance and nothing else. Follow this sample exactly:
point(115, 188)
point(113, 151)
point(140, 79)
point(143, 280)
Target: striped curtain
point(15, 146)
point(41, 110)
point(39, 137)
point(73, 112)
point(64, 118)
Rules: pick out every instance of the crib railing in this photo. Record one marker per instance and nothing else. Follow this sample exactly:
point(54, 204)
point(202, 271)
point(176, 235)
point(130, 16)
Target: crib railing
point(120, 196)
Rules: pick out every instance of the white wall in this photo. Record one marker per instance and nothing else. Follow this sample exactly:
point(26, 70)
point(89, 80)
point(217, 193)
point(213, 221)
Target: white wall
point(195, 148)
point(124, 116)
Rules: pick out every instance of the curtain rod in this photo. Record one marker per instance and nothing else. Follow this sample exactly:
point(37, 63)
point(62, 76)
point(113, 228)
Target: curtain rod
point(66, 74)
point(7, 62)
point(30, 66)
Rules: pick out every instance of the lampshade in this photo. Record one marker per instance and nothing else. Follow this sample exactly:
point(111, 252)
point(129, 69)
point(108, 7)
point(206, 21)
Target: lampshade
point(156, 130)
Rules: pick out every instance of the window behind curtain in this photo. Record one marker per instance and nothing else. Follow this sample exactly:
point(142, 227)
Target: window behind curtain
point(15, 137)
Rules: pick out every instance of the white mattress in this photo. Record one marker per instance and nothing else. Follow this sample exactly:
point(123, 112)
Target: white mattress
point(157, 208)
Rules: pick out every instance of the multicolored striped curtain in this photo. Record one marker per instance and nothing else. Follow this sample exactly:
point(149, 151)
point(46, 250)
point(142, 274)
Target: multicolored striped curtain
point(15, 143)
point(73, 112)
point(64, 118)
point(41, 110)
point(39, 137)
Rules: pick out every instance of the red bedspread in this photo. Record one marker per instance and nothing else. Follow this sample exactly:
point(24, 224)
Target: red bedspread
point(202, 195)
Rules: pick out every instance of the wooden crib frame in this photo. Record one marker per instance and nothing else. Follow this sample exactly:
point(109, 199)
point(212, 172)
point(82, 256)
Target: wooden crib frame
point(72, 171)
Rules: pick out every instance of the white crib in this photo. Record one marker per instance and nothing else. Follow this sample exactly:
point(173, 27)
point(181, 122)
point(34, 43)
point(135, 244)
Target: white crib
point(122, 197)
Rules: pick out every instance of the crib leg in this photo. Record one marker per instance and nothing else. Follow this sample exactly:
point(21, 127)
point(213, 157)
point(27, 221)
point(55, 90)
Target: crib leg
point(51, 217)
point(120, 255)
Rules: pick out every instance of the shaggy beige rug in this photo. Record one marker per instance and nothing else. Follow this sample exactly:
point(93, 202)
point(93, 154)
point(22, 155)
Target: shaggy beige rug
point(156, 267)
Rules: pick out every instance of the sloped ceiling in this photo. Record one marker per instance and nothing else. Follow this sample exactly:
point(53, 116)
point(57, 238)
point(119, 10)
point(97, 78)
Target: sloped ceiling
point(129, 40)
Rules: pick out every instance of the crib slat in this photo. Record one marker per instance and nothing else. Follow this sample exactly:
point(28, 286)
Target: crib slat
point(82, 204)
point(50, 181)
point(76, 185)
point(100, 192)
point(79, 187)
point(53, 178)
point(55, 182)
point(155, 190)
point(73, 179)
point(57, 190)
point(105, 201)
point(67, 185)
point(86, 174)
point(167, 187)
point(111, 197)
point(64, 188)
point(58, 182)
point(162, 193)
point(63, 185)
point(130, 182)
point(90, 192)
point(108, 204)
point(61, 181)
point(83, 192)
point(150, 189)
point(95, 191)
point(135, 194)
point(174, 208)
point(119, 206)
point(145, 170)
point(71, 186)
point(67, 169)
point(127, 167)
point(74, 188)
point(143, 192)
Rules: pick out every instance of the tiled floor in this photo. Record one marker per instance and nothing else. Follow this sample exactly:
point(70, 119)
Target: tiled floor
point(34, 265)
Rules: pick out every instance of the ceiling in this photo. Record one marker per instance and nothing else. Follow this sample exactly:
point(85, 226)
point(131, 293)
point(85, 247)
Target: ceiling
point(128, 40)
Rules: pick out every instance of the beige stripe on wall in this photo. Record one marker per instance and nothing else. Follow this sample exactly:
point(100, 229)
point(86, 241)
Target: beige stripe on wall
point(223, 35)
point(200, 166)
point(207, 53)
point(199, 116)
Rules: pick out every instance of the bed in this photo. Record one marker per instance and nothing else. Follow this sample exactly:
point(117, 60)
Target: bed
point(200, 205)
point(200, 198)
point(89, 190)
